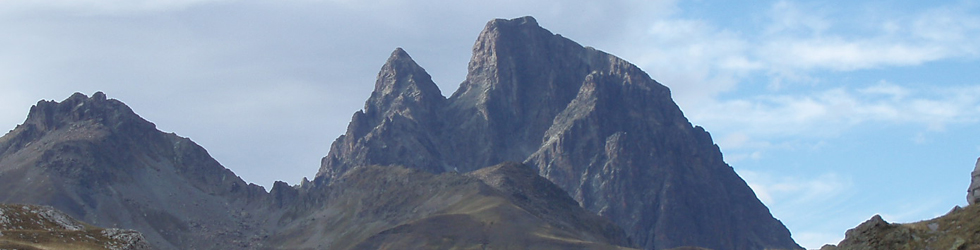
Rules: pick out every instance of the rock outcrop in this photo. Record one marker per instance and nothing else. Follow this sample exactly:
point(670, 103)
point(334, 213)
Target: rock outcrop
point(43, 227)
point(954, 230)
point(973, 193)
point(593, 124)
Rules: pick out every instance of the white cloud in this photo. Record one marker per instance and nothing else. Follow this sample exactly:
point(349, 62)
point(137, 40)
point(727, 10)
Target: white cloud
point(787, 16)
point(696, 60)
point(933, 34)
point(831, 111)
point(836, 53)
point(796, 191)
point(702, 62)
point(885, 88)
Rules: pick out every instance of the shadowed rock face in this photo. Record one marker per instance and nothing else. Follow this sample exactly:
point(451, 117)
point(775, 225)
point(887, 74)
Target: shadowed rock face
point(595, 125)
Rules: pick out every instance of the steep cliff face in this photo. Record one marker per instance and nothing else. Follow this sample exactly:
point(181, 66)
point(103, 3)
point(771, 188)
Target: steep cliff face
point(624, 150)
point(594, 124)
point(96, 160)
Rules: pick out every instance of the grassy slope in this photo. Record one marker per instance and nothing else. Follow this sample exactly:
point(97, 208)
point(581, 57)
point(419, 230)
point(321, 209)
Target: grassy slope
point(398, 208)
point(957, 230)
point(40, 227)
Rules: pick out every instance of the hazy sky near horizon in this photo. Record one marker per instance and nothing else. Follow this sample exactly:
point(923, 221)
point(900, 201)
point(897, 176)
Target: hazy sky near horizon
point(831, 111)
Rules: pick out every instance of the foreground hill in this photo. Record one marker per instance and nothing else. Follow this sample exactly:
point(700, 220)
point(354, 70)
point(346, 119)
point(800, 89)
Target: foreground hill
point(958, 229)
point(391, 207)
point(43, 227)
point(593, 124)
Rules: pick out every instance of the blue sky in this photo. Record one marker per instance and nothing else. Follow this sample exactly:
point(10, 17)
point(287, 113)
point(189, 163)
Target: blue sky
point(831, 111)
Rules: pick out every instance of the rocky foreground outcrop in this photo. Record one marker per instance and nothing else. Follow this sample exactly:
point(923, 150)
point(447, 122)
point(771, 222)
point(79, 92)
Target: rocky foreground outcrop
point(955, 230)
point(973, 192)
point(958, 229)
point(43, 227)
point(595, 125)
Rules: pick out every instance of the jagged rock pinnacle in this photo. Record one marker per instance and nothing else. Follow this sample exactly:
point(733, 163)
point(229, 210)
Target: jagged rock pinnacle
point(404, 106)
point(973, 193)
point(402, 86)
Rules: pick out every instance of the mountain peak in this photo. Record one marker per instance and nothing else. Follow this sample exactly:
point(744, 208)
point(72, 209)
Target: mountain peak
point(405, 103)
point(591, 123)
point(50, 115)
point(526, 21)
point(402, 84)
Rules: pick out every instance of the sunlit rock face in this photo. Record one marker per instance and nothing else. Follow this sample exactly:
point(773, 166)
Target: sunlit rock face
point(973, 193)
point(595, 125)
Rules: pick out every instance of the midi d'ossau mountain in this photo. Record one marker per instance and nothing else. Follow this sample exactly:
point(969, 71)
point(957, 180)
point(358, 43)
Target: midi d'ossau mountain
point(546, 145)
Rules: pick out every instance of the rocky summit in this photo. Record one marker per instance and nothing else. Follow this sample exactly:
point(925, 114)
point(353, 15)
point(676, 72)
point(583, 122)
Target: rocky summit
point(593, 124)
point(96, 160)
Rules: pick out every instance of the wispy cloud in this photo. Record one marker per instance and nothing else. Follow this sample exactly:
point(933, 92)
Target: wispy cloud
point(795, 47)
point(796, 191)
point(810, 39)
point(831, 111)
point(802, 202)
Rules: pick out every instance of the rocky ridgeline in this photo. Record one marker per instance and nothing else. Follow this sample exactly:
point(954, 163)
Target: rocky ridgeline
point(958, 229)
point(97, 160)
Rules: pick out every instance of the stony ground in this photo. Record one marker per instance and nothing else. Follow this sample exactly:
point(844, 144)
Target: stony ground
point(42, 227)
